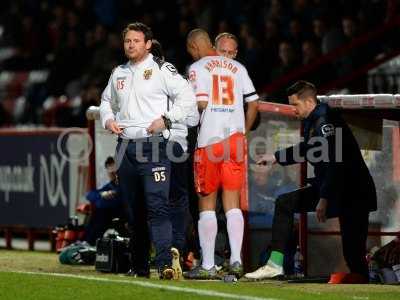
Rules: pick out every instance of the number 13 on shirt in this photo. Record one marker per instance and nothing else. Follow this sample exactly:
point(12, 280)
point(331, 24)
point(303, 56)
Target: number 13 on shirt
point(222, 90)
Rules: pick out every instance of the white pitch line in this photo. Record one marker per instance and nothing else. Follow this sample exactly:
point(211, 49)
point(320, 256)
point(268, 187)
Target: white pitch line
point(151, 285)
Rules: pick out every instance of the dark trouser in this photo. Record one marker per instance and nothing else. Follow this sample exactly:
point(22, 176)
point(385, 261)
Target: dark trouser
point(354, 230)
point(145, 167)
point(353, 226)
point(179, 197)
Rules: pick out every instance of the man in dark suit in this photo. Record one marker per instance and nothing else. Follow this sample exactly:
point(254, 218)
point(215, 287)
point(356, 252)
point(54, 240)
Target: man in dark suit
point(342, 186)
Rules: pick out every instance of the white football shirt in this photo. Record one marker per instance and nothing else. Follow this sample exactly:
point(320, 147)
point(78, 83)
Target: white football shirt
point(225, 84)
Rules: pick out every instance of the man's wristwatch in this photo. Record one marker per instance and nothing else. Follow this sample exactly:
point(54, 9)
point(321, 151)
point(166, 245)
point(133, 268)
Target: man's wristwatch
point(167, 122)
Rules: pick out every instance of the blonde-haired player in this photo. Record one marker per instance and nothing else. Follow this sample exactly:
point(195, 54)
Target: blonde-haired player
point(226, 44)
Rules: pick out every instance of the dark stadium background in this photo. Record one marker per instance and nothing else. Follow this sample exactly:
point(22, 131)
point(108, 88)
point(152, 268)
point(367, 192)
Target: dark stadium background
point(56, 56)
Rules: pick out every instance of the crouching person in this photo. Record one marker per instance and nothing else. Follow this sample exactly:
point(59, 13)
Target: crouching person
point(342, 187)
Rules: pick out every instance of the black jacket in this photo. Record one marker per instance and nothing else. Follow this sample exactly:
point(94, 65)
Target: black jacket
point(341, 175)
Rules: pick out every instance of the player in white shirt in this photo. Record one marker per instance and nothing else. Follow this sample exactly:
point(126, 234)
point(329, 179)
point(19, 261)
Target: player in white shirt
point(221, 85)
point(142, 101)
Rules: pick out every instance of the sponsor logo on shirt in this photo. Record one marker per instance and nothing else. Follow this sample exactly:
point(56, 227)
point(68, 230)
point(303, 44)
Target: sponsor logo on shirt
point(192, 75)
point(222, 109)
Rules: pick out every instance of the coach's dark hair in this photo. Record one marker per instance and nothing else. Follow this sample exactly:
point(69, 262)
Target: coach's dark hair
point(302, 88)
point(109, 161)
point(137, 26)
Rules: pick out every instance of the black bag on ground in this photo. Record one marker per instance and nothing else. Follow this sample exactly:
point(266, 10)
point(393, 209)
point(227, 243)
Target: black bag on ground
point(113, 255)
point(389, 254)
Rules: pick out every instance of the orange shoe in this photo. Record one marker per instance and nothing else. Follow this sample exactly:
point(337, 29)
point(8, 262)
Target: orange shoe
point(337, 277)
point(347, 278)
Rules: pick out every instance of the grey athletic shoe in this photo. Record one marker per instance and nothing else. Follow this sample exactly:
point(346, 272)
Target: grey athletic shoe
point(236, 269)
point(201, 273)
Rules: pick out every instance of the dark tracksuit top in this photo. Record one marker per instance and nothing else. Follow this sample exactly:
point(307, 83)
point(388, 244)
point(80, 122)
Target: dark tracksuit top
point(343, 178)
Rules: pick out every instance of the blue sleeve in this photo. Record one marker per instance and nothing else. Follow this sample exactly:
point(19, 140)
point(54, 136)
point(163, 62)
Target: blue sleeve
point(94, 196)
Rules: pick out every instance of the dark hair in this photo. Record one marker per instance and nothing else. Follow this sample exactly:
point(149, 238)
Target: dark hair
point(137, 26)
point(156, 49)
point(109, 161)
point(301, 87)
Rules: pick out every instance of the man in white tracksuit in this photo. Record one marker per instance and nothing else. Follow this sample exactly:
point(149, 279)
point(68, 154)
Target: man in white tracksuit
point(143, 103)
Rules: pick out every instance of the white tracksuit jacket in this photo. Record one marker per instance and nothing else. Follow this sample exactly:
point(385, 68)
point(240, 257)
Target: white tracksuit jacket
point(138, 94)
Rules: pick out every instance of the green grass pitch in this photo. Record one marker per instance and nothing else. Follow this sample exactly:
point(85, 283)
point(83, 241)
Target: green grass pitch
point(38, 275)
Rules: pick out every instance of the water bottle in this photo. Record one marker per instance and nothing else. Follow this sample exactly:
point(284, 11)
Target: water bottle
point(298, 263)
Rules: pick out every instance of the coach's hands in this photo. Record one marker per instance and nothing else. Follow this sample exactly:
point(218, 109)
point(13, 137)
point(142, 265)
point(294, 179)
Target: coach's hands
point(113, 126)
point(156, 126)
point(320, 210)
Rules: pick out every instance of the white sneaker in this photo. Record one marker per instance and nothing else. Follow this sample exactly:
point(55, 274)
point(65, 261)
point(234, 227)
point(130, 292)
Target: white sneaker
point(268, 271)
